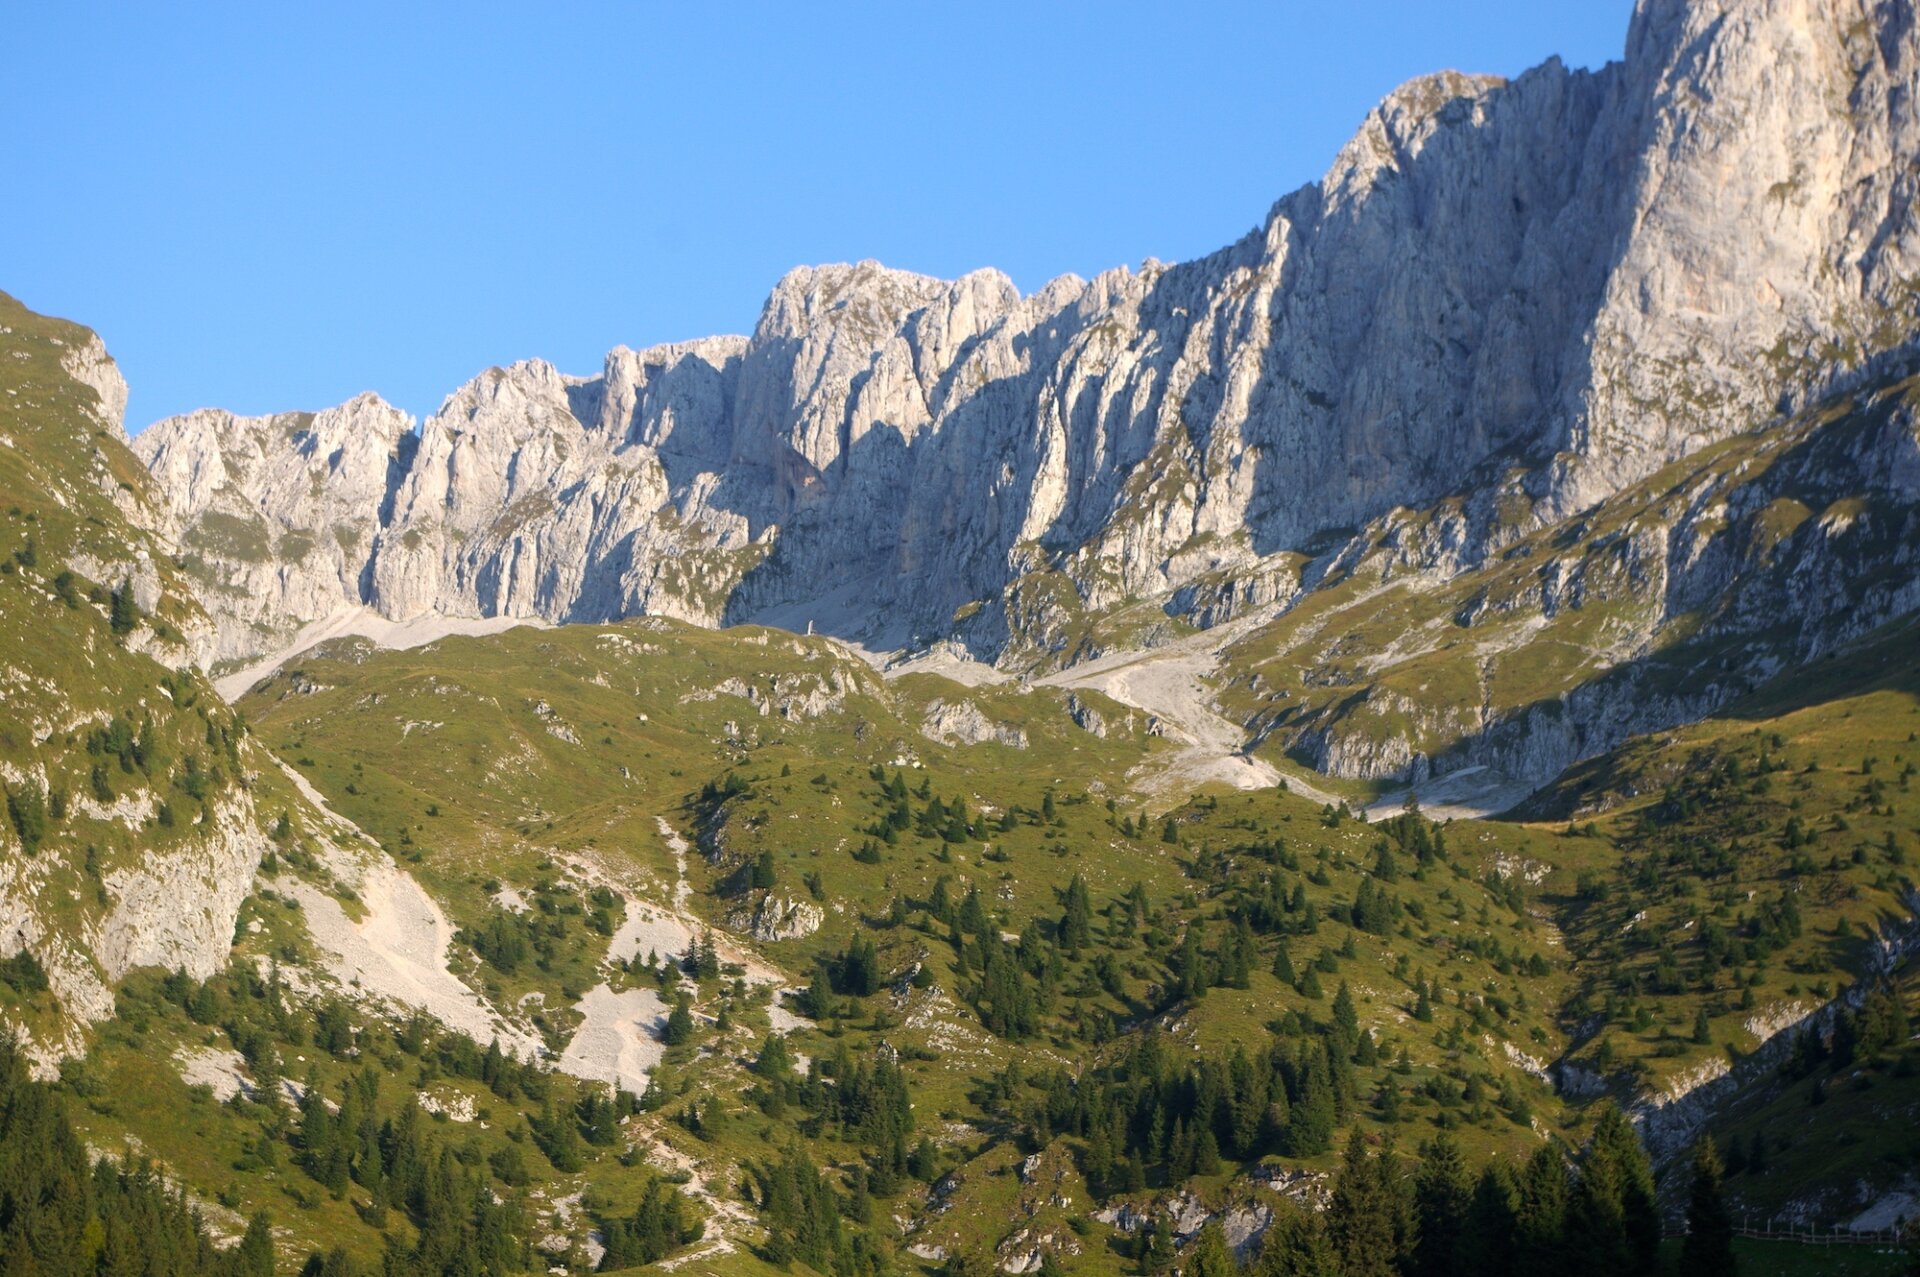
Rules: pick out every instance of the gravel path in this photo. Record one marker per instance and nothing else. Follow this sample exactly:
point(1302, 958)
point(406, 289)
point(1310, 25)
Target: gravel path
point(1170, 683)
point(366, 623)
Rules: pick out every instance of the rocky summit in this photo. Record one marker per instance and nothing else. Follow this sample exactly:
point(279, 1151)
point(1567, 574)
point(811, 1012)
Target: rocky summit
point(1535, 292)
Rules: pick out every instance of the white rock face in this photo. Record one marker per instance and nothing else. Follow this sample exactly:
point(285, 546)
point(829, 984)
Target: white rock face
point(1579, 274)
point(93, 367)
point(175, 910)
point(773, 918)
point(277, 515)
point(963, 723)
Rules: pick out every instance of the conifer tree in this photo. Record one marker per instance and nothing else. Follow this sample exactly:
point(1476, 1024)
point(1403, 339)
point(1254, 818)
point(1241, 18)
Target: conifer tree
point(1208, 1255)
point(1441, 1197)
point(1539, 1239)
point(679, 1023)
point(1311, 1120)
point(1296, 1245)
point(1488, 1234)
point(1361, 1221)
point(1346, 1017)
point(123, 614)
point(1076, 923)
point(1623, 1185)
point(1708, 1248)
point(253, 1257)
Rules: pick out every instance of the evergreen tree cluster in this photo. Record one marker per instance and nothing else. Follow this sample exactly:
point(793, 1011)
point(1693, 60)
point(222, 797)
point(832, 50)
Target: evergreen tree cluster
point(803, 1212)
point(662, 1223)
point(945, 821)
point(359, 1142)
point(1155, 1117)
point(865, 1105)
point(1856, 1036)
point(64, 1214)
point(1593, 1215)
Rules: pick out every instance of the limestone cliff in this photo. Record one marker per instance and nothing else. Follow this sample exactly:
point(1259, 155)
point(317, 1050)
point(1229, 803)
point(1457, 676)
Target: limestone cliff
point(1579, 274)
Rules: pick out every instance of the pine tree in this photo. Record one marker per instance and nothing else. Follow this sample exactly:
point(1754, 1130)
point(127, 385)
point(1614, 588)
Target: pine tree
point(679, 1023)
point(1708, 1248)
point(924, 1162)
point(1311, 1120)
point(1346, 1018)
point(1076, 923)
point(559, 1138)
point(1208, 1255)
point(1135, 1178)
point(1641, 1207)
point(1206, 1152)
point(1361, 1220)
point(1487, 1242)
point(1179, 1153)
point(1190, 964)
point(1296, 1245)
point(1541, 1227)
point(1441, 1198)
point(253, 1257)
point(123, 614)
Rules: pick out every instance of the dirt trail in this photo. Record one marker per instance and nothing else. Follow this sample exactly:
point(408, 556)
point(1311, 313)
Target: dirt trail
point(682, 893)
point(728, 1215)
point(317, 799)
point(369, 624)
point(649, 928)
point(1170, 683)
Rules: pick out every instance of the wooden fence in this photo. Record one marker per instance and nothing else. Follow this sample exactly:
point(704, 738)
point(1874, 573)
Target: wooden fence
point(1815, 1235)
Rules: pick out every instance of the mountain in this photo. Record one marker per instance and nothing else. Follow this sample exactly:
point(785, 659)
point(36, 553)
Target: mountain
point(1532, 293)
point(961, 783)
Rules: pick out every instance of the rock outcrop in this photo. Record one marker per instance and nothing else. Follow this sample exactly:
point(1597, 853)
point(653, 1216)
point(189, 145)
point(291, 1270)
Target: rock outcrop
point(773, 918)
point(175, 909)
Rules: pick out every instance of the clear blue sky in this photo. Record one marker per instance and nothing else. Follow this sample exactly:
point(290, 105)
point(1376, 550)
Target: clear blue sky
point(270, 206)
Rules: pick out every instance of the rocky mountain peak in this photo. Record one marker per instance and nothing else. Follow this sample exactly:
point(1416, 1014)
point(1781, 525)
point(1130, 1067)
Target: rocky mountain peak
point(1576, 275)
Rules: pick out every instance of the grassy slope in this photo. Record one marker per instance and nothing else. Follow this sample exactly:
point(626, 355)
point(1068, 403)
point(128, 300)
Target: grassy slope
point(809, 799)
point(1386, 659)
point(67, 485)
point(513, 797)
point(1845, 737)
